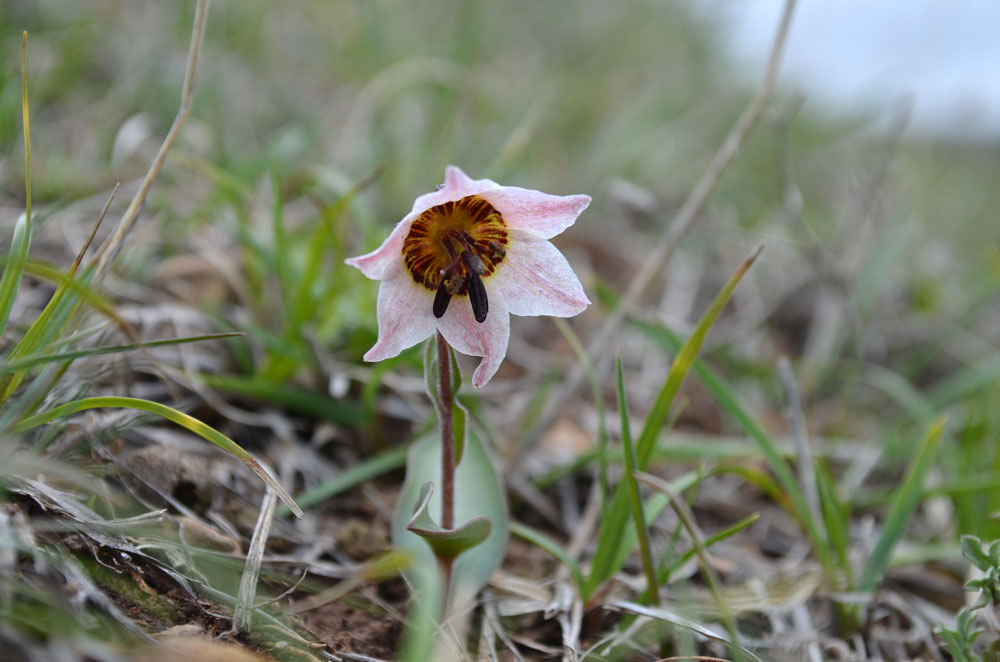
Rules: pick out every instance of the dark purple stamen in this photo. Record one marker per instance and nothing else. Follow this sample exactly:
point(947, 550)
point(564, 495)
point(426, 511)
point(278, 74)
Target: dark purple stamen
point(441, 300)
point(477, 297)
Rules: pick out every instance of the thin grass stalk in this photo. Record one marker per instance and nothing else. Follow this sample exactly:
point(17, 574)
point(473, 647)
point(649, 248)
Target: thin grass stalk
point(109, 250)
point(27, 129)
point(805, 464)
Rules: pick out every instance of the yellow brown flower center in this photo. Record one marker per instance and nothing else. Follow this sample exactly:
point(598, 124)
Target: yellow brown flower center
point(452, 246)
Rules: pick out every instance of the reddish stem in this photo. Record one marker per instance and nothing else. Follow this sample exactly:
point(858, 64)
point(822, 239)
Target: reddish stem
point(447, 435)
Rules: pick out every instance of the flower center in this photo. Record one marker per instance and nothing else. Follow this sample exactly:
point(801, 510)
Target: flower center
point(452, 247)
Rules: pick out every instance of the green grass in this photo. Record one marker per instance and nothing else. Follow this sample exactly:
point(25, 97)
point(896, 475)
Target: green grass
point(311, 133)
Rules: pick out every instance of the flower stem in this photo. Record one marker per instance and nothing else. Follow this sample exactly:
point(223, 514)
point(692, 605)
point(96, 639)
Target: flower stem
point(447, 416)
point(447, 435)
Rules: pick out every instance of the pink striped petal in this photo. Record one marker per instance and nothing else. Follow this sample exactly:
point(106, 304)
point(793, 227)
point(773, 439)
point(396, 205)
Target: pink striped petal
point(535, 279)
point(541, 214)
point(381, 261)
point(488, 340)
point(457, 185)
point(404, 315)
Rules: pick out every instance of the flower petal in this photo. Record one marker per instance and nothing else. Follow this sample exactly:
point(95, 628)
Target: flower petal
point(404, 315)
point(457, 185)
point(539, 213)
point(488, 340)
point(381, 261)
point(535, 279)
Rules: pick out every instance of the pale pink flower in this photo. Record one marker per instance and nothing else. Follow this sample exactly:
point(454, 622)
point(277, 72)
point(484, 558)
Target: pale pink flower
point(465, 258)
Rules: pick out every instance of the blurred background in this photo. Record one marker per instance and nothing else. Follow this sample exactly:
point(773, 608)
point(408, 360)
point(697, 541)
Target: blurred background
point(872, 176)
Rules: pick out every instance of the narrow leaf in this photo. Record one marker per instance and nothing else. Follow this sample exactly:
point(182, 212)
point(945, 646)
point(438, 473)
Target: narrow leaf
point(730, 402)
point(635, 501)
point(905, 502)
point(188, 422)
point(11, 280)
point(14, 268)
point(616, 514)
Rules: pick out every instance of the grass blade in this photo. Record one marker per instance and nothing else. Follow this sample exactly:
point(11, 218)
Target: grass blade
point(903, 505)
point(11, 281)
point(190, 423)
point(57, 312)
point(635, 501)
point(14, 269)
point(730, 402)
point(667, 569)
point(26, 362)
point(616, 514)
point(701, 551)
point(542, 541)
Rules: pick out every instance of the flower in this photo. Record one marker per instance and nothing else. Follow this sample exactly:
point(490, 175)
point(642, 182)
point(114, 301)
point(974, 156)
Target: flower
point(466, 257)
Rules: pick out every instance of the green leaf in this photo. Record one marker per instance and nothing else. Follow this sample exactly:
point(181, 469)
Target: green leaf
point(477, 494)
point(615, 516)
point(905, 502)
point(188, 422)
point(972, 549)
point(447, 543)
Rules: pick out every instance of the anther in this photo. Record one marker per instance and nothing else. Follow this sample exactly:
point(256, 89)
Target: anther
point(477, 297)
point(441, 300)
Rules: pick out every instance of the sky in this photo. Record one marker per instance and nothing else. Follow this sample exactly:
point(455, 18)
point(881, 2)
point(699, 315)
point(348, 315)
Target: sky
point(878, 55)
